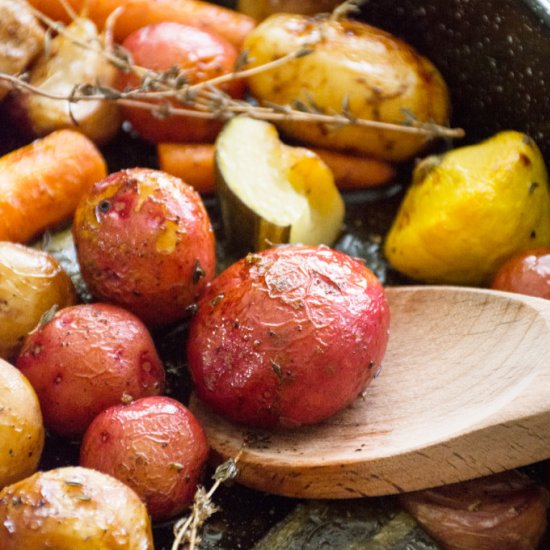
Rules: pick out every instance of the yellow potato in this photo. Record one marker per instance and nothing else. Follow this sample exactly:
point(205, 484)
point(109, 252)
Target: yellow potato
point(260, 9)
point(21, 429)
point(469, 210)
point(355, 68)
point(73, 509)
point(31, 282)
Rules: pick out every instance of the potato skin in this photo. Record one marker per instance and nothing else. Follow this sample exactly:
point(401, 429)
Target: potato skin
point(375, 74)
point(86, 359)
point(202, 55)
point(21, 428)
point(288, 336)
point(154, 445)
point(31, 282)
point(72, 509)
point(526, 273)
point(145, 242)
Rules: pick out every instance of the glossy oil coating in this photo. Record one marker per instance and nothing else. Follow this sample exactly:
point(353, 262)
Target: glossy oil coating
point(288, 336)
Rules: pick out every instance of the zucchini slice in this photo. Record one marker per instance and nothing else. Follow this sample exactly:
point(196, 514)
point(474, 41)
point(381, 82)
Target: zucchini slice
point(271, 193)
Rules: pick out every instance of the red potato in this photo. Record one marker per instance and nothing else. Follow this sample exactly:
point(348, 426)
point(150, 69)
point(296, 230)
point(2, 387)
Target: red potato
point(86, 359)
point(145, 242)
point(526, 273)
point(288, 336)
point(155, 446)
point(202, 55)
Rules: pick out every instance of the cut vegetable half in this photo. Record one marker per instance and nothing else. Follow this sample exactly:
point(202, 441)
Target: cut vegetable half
point(272, 193)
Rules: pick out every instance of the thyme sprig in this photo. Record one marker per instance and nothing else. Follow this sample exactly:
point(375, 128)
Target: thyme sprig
point(169, 93)
point(186, 530)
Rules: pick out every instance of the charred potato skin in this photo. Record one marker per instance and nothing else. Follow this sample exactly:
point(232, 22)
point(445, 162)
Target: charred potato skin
point(355, 67)
point(72, 509)
point(145, 242)
point(288, 336)
point(88, 358)
point(21, 428)
point(155, 446)
point(31, 282)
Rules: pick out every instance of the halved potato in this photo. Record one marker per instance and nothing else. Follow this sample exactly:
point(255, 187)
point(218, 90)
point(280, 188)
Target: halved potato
point(273, 193)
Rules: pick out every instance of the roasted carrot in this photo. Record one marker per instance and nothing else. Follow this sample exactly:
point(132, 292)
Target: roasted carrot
point(41, 183)
point(195, 165)
point(353, 172)
point(230, 24)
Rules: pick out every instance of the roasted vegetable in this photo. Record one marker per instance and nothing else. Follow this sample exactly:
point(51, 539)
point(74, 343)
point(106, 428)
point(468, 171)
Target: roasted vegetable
point(502, 512)
point(527, 273)
point(199, 55)
point(31, 282)
point(73, 509)
point(194, 163)
point(272, 193)
point(21, 429)
point(41, 184)
point(88, 358)
point(470, 209)
point(154, 445)
point(135, 14)
point(354, 68)
point(288, 336)
point(21, 38)
point(99, 120)
point(145, 242)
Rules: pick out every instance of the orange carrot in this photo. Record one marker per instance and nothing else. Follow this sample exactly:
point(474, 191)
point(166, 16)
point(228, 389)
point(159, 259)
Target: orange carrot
point(353, 172)
point(194, 163)
point(230, 24)
point(41, 183)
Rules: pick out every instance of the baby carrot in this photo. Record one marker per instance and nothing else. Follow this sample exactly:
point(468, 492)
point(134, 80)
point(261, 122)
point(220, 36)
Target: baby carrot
point(41, 183)
point(194, 163)
point(135, 14)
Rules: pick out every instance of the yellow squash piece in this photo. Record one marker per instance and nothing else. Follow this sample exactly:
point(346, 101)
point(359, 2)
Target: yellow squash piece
point(469, 210)
point(271, 192)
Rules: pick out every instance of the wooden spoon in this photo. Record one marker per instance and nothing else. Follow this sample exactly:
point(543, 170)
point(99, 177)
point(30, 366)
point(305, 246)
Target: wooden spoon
point(464, 392)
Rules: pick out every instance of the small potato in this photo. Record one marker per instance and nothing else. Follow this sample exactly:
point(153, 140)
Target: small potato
point(73, 509)
point(86, 359)
point(154, 445)
point(288, 336)
point(200, 55)
point(527, 273)
point(355, 67)
point(21, 429)
point(145, 242)
point(31, 282)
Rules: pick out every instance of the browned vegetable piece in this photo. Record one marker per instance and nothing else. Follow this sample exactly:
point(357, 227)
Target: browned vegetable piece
point(21, 38)
point(502, 512)
point(73, 509)
point(21, 429)
point(31, 282)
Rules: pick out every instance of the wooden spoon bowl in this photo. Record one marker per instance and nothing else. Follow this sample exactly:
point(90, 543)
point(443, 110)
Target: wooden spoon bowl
point(464, 392)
